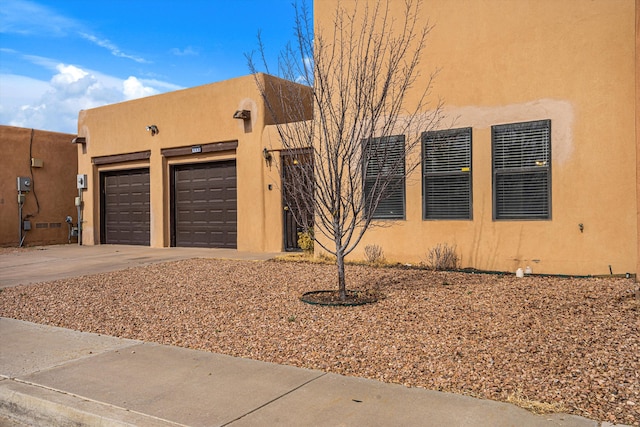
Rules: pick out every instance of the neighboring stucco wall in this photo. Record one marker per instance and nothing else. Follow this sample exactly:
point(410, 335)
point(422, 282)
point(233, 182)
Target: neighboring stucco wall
point(513, 61)
point(637, 113)
point(189, 117)
point(53, 185)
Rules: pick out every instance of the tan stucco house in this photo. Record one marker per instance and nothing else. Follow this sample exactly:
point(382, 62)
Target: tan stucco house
point(186, 168)
point(544, 98)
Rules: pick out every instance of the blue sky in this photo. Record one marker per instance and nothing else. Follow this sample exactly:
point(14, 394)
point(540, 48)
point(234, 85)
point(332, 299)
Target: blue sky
point(60, 56)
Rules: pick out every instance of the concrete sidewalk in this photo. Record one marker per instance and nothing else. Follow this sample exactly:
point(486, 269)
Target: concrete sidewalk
point(57, 377)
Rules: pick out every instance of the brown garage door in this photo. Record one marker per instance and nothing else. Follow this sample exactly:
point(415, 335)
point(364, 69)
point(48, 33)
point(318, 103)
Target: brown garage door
point(204, 200)
point(125, 207)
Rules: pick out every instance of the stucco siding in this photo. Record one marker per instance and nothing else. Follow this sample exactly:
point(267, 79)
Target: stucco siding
point(53, 185)
point(195, 117)
point(571, 62)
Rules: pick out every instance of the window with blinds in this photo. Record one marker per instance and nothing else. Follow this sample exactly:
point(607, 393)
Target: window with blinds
point(522, 170)
point(384, 181)
point(446, 174)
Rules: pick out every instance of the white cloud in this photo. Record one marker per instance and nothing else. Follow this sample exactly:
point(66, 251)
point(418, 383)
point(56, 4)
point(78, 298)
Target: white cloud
point(42, 61)
point(306, 75)
point(161, 85)
point(134, 88)
point(188, 51)
point(115, 51)
point(54, 105)
point(71, 79)
point(26, 17)
point(16, 90)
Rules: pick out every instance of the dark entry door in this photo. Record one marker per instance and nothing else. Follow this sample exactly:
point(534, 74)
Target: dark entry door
point(204, 205)
point(291, 230)
point(297, 183)
point(125, 207)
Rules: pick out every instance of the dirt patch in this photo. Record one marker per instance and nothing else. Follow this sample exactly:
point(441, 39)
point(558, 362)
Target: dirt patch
point(564, 344)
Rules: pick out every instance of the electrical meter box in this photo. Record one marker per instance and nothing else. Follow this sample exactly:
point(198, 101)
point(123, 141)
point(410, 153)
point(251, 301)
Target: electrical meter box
point(24, 184)
point(82, 181)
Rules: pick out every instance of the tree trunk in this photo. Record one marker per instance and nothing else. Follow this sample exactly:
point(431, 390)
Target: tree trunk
point(341, 280)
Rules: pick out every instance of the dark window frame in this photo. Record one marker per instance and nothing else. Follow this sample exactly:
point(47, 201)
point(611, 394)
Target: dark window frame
point(444, 168)
point(389, 206)
point(521, 171)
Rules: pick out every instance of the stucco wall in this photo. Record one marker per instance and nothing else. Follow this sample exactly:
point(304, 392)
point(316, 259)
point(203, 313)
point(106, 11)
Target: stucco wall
point(53, 184)
point(190, 117)
point(572, 62)
point(637, 113)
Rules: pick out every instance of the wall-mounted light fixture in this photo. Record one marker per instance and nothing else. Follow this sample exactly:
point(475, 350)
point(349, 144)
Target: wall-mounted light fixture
point(153, 129)
point(242, 114)
point(267, 156)
point(79, 140)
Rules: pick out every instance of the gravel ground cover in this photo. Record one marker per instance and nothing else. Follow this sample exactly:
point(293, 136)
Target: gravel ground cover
point(544, 343)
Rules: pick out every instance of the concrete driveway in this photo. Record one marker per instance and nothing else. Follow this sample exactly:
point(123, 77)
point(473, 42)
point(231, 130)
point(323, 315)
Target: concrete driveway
point(45, 263)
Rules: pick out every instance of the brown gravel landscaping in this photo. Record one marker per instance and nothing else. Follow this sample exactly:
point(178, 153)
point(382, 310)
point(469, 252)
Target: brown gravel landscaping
point(546, 343)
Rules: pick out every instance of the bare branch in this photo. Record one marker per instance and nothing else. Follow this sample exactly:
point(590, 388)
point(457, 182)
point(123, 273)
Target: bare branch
point(370, 107)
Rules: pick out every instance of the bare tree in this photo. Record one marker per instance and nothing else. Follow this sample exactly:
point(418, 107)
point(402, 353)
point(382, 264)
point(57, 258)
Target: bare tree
point(370, 107)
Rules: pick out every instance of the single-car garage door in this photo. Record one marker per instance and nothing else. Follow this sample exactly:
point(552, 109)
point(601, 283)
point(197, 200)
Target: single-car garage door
point(204, 204)
point(125, 207)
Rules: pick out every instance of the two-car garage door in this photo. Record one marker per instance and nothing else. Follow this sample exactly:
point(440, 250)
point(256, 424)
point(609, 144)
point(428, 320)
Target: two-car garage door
point(203, 206)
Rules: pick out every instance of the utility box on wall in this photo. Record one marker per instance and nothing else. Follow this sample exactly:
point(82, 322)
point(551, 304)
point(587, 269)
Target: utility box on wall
point(24, 184)
point(82, 181)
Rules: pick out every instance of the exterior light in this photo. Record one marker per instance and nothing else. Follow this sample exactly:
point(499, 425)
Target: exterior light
point(242, 114)
point(267, 156)
point(153, 129)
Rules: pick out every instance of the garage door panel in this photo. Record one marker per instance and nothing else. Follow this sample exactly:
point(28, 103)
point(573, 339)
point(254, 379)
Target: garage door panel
point(205, 205)
point(126, 207)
